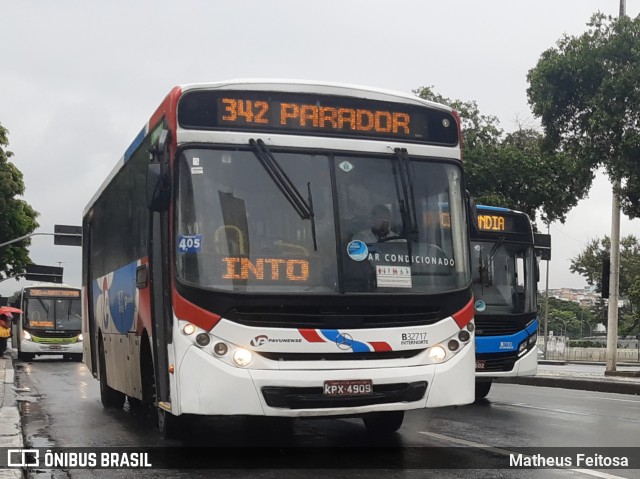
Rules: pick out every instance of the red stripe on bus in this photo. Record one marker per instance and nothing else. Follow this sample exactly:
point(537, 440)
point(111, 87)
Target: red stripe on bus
point(380, 346)
point(465, 315)
point(311, 335)
point(187, 311)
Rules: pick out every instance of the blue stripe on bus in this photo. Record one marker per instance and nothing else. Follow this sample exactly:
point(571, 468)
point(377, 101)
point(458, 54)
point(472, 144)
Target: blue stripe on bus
point(137, 141)
point(533, 327)
point(335, 336)
point(500, 344)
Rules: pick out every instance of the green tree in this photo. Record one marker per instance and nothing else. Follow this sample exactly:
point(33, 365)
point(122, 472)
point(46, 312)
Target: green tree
point(589, 264)
point(515, 170)
point(568, 318)
point(586, 91)
point(17, 218)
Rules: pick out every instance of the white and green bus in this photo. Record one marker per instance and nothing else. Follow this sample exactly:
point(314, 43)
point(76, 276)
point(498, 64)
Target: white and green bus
point(50, 323)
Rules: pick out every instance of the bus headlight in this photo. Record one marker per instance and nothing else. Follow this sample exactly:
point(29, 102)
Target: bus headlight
point(26, 335)
point(242, 357)
point(203, 339)
point(220, 348)
point(437, 354)
point(522, 347)
point(188, 329)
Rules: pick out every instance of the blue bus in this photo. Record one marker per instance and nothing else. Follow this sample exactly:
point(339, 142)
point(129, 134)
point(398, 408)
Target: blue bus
point(505, 275)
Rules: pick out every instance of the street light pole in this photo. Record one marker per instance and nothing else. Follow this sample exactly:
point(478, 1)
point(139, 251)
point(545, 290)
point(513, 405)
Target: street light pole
point(614, 275)
point(546, 305)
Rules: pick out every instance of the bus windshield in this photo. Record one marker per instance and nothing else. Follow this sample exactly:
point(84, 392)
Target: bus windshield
point(60, 314)
point(373, 226)
point(504, 277)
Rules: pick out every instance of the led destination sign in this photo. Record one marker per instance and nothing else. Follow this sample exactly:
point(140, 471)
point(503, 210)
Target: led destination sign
point(496, 222)
point(66, 293)
point(316, 114)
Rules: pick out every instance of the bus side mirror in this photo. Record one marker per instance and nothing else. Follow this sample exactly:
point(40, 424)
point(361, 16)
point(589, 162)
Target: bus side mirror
point(473, 212)
point(157, 190)
point(158, 185)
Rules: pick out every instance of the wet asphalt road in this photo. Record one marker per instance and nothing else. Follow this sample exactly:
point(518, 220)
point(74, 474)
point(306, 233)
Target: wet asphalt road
point(61, 406)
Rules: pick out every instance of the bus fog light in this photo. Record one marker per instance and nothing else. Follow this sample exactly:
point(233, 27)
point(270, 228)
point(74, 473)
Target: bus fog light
point(220, 349)
point(471, 327)
point(242, 357)
point(203, 339)
point(188, 329)
point(464, 336)
point(437, 354)
point(453, 345)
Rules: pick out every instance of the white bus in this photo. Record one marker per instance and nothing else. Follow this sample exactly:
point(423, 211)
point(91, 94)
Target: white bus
point(50, 323)
point(281, 248)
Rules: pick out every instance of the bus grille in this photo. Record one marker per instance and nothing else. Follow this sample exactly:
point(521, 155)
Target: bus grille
point(340, 356)
point(313, 397)
point(44, 335)
point(496, 362)
point(499, 325)
point(317, 318)
point(54, 340)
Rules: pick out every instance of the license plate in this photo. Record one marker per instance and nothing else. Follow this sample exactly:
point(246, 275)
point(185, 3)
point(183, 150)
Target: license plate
point(479, 364)
point(350, 387)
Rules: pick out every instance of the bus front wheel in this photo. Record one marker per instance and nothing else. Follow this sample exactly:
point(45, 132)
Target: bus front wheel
point(482, 389)
point(109, 397)
point(25, 356)
point(384, 422)
point(170, 426)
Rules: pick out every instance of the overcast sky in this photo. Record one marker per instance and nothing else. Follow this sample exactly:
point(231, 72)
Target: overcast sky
point(79, 79)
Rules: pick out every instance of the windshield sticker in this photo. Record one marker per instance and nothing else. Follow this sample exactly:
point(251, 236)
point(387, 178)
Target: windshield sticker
point(189, 243)
point(197, 170)
point(196, 162)
point(357, 250)
point(393, 276)
point(346, 166)
point(406, 259)
point(480, 306)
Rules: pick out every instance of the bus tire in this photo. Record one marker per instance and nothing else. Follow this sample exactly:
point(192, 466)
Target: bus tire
point(77, 358)
point(482, 389)
point(110, 398)
point(386, 422)
point(25, 356)
point(170, 426)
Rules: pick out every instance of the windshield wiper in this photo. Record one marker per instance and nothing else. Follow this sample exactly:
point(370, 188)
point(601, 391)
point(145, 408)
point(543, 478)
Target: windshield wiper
point(485, 265)
point(303, 207)
point(402, 171)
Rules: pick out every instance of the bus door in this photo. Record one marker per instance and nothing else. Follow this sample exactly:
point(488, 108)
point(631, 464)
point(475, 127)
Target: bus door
point(89, 323)
point(158, 194)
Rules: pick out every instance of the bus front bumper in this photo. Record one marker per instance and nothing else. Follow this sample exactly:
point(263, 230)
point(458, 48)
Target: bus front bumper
point(207, 386)
point(527, 365)
point(31, 347)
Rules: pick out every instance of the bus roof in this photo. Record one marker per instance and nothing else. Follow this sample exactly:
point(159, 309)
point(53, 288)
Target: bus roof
point(266, 84)
point(42, 284)
point(301, 86)
point(500, 209)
